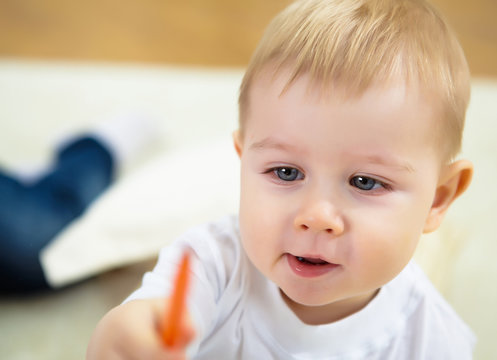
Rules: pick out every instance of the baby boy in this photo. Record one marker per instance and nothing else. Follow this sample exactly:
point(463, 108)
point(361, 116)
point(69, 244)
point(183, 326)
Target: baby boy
point(351, 116)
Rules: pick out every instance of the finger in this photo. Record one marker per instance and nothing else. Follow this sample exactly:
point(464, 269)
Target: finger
point(159, 353)
point(187, 334)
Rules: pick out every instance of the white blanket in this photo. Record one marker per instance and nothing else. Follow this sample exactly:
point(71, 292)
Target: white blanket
point(146, 210)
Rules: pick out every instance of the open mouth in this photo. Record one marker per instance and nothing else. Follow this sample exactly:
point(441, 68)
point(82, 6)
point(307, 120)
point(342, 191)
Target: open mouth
point(311, 261)
point(309, 266)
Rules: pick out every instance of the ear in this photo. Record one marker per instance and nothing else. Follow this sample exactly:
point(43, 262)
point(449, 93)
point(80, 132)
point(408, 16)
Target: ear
point(237, 141)
point(454, 180)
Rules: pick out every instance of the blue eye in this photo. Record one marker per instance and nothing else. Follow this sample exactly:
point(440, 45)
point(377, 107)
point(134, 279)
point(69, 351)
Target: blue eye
point(288, 173)
point(365, 183)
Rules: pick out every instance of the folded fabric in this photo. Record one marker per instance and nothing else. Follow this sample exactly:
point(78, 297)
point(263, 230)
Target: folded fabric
point(146, 210)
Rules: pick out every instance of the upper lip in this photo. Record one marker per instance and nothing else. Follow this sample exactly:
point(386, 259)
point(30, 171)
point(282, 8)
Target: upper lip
point(315, 257)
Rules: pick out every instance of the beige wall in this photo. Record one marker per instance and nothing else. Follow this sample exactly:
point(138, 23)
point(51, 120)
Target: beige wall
point(201, 32)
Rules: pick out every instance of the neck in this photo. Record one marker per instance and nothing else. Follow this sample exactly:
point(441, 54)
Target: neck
point(325, 314)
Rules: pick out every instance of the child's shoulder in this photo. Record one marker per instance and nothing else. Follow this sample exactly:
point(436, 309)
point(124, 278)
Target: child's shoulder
point(426, 295)
point(430, 315)
point(217, 248)
point(217, 238)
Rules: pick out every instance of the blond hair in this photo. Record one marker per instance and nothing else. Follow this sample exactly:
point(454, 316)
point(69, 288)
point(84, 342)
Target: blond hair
point(353, 43)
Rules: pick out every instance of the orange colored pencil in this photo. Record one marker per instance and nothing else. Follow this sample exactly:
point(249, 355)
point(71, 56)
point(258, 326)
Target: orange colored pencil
point(171, 330)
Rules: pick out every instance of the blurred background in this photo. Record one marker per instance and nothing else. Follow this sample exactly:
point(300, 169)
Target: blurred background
point(66, 63)
point(188, 32)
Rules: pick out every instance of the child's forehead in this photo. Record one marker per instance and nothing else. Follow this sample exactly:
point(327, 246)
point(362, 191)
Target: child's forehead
point(276, 100)
point(279, 81)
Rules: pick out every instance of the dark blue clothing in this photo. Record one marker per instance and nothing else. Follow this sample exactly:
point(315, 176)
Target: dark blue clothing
point(31, 215)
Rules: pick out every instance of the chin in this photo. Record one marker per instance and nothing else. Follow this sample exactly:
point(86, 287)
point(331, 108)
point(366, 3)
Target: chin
point(305, 298)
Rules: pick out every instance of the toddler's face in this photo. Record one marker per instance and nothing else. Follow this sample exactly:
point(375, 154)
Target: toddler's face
point(334, 193)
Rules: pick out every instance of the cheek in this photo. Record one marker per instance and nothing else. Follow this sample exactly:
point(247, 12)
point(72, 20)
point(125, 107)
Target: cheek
point(385, 244)
point(253, 205)
point(259, 207)
point(254, 217)
point(261, 223)
point(256, 239)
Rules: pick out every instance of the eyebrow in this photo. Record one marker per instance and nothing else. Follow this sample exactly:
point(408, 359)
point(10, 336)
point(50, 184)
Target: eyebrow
point(390, 162)
point(271, 143)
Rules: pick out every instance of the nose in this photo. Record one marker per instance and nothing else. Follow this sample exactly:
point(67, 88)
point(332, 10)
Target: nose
point(320, 216)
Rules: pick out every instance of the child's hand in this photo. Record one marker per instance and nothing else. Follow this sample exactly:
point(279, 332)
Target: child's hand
point(133, 331)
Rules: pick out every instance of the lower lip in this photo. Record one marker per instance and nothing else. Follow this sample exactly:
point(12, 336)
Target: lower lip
point(308, 270)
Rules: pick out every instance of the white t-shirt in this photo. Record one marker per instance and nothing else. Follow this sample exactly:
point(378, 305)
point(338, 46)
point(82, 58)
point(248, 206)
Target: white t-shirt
point(239, 314)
